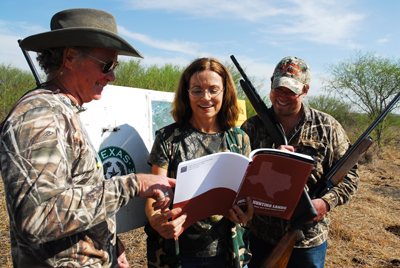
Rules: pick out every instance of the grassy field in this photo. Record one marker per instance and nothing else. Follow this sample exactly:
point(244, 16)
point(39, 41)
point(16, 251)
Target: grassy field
point(364, 233)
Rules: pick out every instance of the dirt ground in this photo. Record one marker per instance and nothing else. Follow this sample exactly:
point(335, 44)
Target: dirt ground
point(363, 233)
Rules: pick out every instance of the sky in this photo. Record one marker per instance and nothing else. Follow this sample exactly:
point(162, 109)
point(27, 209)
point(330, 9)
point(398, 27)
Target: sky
point(259, 33)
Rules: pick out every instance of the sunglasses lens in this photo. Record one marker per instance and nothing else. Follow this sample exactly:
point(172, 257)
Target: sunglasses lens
point(109, 66)
point(289, 95)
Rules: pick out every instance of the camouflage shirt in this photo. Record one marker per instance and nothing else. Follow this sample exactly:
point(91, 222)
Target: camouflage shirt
point(319, 135)
point(62, 211)
point(208, 237)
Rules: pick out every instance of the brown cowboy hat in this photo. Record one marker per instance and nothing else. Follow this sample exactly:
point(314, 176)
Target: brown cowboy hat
point(81, 27)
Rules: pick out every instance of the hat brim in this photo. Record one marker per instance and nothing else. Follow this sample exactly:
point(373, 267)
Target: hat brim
point(86, 37)
point(290, 83)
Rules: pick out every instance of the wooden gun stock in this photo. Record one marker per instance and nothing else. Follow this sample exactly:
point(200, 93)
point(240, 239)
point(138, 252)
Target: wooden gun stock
point(303, 213)
point(280, 255)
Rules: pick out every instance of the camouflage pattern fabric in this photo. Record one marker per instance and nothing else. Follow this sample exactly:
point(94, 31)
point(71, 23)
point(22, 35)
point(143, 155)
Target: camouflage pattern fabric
point(62, 211)
point(292, 73)
point(322, 137)
point(209, 237)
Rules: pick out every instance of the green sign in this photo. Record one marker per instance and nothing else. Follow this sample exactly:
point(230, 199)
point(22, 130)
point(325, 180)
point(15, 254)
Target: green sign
point(116, 162)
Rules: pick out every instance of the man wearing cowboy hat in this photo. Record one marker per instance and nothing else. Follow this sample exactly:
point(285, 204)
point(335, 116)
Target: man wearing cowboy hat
point(62, 211)
point(310, 132)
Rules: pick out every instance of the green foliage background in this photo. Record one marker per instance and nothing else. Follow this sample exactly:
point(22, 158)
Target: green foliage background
point(134, 73)
point(14, 83)
point(359, 89)
point(368, 82)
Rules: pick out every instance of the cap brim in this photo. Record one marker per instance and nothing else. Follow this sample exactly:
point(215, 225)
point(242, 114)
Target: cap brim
point(87, 37)
point(290, 83)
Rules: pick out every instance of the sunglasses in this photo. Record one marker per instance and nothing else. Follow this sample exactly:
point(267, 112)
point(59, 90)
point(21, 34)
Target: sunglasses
point(108, 66)
point(289, 94)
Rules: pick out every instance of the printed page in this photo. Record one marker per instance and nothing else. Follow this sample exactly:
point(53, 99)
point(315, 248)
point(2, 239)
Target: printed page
point(197, 176)
point(208, 185)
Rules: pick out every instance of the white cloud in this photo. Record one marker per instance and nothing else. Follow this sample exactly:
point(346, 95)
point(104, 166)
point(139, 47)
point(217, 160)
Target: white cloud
point(21, 27)
point(175, 45)
point(10, 52)
point(319, 21)
point(381, 41)
point(30, 29)
point(251, 10)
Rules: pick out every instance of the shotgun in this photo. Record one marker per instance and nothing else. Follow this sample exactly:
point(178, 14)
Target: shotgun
point(353, 154)
point(31, 66)
point(305, 210)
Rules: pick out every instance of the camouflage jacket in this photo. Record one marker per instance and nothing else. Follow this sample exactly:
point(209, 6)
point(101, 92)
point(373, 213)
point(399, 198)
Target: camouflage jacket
point(217, 235)
point(62, 211)
point(322, 137)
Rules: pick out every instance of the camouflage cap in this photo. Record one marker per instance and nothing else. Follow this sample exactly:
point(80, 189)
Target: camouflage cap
point(292, 73)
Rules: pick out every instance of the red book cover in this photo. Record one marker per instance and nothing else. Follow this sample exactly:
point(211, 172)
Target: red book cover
point(274, 180)
point(212, 184)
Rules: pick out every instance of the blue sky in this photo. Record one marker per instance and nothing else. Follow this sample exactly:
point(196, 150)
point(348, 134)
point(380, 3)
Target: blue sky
point(258, 32)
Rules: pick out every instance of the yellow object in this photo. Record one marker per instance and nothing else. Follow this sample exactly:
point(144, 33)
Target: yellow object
point(242, 114)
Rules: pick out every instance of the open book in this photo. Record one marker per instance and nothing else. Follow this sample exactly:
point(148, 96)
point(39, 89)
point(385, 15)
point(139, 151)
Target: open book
point(212, 184)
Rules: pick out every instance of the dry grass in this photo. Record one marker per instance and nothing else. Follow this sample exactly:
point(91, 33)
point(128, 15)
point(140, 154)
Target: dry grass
point(364, 233)
point(5, 248)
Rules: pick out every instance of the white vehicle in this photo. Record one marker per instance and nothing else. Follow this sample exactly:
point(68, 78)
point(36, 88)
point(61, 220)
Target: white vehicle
point(121, 126)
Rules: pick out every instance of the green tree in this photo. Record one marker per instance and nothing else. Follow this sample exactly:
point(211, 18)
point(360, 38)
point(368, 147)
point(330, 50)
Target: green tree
point(335, 107)
point(368, 81)
point(14, 83)
point(133, 73)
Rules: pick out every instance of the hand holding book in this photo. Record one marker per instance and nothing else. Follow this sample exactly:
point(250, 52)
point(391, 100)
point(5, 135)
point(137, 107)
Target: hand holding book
point(242, 216)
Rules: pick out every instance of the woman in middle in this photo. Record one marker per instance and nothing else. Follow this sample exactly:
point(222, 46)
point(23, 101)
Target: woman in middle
point(205, 111)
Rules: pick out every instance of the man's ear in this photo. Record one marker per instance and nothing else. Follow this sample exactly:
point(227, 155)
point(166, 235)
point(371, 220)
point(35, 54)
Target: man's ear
point(305, 90)
point(70, 56)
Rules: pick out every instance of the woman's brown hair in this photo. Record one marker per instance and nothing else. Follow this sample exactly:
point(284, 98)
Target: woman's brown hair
point(181, 110)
